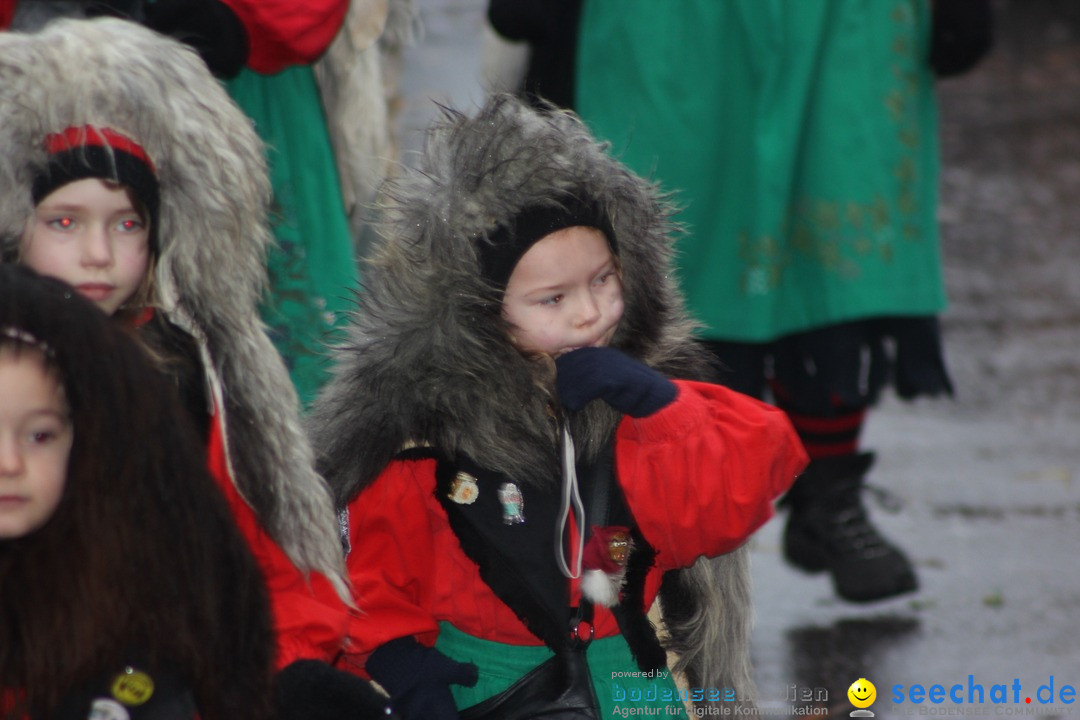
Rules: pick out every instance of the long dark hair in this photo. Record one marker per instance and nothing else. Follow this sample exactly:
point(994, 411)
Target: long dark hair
point(142, 554)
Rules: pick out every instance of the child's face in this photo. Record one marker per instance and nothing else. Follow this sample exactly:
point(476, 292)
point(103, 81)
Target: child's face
point(89, 234)
point(35, 440)
point(565, 293)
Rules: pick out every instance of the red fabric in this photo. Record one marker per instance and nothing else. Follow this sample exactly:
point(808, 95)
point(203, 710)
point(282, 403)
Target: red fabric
point(700, 476)
point(7, 12)
point(89, 136)
point(310, 620)
point(11, 699)
point(287, 32)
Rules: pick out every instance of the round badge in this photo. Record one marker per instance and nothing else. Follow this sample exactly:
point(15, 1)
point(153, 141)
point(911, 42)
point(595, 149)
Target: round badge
point(463, 489)
point(132, 687)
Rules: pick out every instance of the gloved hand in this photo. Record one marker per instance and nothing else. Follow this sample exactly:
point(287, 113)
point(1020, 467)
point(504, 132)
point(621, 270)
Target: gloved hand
point(629, 386)
point(418, 679)
point(208, 26)
point(312, 690)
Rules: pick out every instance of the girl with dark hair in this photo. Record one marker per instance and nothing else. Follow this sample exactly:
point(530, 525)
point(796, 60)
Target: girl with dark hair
point(125, 586)
point(127, 172)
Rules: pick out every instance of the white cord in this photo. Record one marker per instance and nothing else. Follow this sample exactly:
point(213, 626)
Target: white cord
point(571, 494)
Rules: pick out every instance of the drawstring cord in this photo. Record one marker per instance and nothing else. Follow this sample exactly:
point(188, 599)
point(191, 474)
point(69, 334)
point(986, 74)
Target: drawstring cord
point(571, 496)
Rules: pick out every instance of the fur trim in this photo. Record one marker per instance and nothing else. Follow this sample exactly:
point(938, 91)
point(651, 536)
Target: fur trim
point(353, 84)
point(602, 588)
point(708, 618)
point(213, 235)
point(428, 360)
point(428, 351)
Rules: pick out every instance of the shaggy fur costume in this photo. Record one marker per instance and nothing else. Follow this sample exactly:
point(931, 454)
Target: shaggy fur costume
point(429, 360)
point(213, 234)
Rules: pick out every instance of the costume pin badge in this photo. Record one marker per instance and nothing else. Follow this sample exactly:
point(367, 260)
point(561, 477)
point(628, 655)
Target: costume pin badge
point(513, 503)
point(132, 687)
point(463, 489)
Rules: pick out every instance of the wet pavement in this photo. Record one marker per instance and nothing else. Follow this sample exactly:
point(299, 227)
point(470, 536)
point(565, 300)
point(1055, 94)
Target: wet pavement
point(989, 480)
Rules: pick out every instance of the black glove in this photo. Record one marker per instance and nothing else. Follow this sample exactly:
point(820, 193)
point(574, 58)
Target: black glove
point(418, 679)
point(312, 690)
point(629, 386)
point(208, 26)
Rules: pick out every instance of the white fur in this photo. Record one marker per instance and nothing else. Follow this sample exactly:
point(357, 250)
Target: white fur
point(213, 233)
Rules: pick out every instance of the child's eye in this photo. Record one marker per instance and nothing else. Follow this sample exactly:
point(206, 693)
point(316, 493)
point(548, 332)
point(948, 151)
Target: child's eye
point(61, 223)
point(602, 280)
point(130, 225)
point(41, 437)
point(553, 300)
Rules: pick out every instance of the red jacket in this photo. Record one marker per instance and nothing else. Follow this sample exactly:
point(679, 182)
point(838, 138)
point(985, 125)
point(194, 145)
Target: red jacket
point(287, 32)
point(310, 620)
point(699, 477)
point(280, 33)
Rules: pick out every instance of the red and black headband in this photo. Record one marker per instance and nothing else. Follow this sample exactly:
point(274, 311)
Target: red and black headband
point(81, 152)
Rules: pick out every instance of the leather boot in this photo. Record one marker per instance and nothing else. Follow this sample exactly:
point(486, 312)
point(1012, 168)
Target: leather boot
point(828, 530)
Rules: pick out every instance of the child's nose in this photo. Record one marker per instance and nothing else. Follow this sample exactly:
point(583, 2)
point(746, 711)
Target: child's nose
point(11, 459)
point(588, 310)
point(96, 247)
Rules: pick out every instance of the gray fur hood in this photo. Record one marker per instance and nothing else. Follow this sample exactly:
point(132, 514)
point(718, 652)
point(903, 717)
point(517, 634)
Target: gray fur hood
point(428, 360)
point(212, 231)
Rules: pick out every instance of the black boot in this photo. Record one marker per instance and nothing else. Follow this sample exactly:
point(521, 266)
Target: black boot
point(828, 529)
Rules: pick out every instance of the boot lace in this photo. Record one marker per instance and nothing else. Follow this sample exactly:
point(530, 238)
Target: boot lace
point(850, 526)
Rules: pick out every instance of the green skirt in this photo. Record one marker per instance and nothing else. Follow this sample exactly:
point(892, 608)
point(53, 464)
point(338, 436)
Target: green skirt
point(800, 140)
point(312, 267)
point(619, 684)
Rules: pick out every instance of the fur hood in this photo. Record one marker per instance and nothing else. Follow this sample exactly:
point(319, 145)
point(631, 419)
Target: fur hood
point(428, 360)
point(212, 235)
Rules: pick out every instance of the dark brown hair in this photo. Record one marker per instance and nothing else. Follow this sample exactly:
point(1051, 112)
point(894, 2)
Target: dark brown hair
point(142, 555)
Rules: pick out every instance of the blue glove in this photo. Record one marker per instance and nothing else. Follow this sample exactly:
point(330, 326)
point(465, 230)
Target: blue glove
point(629, 386)
point(418, 679)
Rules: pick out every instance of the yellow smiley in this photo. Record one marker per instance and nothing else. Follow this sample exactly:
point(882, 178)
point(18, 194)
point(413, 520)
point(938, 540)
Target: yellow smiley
point(862, 693)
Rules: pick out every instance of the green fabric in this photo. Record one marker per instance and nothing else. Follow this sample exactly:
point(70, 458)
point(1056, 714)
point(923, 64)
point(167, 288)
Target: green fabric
point(800, 139)
point(500, 665)
point(313, 269)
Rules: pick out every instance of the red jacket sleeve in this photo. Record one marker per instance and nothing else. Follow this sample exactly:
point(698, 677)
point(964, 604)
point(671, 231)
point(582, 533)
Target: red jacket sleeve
point(392, 562)
point(287, 32)
point(310, 620)
point(701, 475)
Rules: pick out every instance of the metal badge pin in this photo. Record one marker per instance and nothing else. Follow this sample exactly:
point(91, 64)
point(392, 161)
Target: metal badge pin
point(513, 503)
point(463, 489)
point(132, 687)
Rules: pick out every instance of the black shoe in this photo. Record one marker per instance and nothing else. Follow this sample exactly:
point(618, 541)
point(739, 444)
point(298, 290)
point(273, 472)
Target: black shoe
point(828, 530)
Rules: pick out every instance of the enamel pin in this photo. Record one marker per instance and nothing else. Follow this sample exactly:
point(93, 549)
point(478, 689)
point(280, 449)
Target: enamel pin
point(463, 489)
point(132, 687)
point(513, 504)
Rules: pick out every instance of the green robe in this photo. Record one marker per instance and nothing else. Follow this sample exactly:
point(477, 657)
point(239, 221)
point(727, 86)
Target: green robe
point(798, 136)
point(313, 269)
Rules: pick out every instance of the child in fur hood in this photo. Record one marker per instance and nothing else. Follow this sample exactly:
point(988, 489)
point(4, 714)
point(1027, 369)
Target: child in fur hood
point(126, 171)
point(523, 445)
point(125, 585)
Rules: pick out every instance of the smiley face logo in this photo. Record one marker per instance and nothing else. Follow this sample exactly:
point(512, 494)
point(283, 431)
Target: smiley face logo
point(862, 693)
